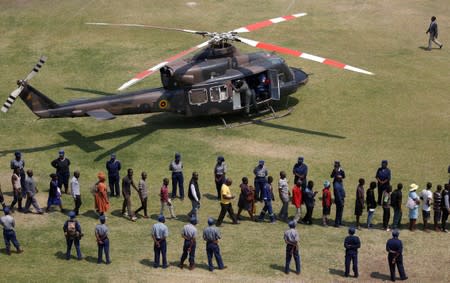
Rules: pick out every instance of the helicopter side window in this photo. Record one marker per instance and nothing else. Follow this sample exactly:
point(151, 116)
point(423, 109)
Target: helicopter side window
point(218, 93)
point(198, 96)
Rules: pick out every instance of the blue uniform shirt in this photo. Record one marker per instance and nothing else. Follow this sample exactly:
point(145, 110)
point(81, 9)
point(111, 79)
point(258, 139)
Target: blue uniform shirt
point(300, 169)
point(383, 174)
point(352, 244)
point(394, 245)
point(113, 166)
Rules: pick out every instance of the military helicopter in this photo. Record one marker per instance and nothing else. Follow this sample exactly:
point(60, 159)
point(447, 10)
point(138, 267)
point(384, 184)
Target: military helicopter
point(209, 83)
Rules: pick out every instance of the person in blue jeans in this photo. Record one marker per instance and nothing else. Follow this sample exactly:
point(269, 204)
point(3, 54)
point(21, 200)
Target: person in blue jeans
point(101, 234)
point(267, 197)
point(371, 203)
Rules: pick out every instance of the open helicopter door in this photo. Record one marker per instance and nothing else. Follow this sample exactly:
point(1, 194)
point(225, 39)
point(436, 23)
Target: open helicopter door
point(274, 84)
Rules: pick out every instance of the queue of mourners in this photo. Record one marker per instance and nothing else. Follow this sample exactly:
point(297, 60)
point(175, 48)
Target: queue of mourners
point(302, 196)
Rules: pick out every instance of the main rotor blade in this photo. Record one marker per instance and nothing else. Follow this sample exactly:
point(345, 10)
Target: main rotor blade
point(284, 50)
point(266, 23)
point(149, 26)
point(142, 75)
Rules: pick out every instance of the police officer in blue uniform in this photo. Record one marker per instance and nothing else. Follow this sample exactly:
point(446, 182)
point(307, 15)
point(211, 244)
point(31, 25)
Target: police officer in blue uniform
point(300, 170)
point(291, 238)
point(73, 234)
point(351, 244)
point(261, 173)
point(176, 166)
point(159, 234)
point(113, 167)
point(383, 177)
point(212, 236)
point(394, 248)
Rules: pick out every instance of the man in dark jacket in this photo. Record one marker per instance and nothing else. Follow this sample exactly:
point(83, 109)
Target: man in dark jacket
point(62, 164)
point(351, 244)
point(113, 166)
point(194, 195)
point(396, 203)
point(394, 248)
point(72, 232)
point(339, 197)
point(433, 31)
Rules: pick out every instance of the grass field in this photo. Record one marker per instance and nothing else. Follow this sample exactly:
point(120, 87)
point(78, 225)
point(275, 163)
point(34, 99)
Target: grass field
point(400, 114)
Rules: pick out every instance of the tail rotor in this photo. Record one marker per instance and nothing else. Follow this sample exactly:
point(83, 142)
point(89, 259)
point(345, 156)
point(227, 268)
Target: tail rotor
point(21, 83)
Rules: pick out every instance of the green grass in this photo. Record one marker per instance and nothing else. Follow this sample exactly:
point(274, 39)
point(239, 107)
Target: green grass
point(400, 114)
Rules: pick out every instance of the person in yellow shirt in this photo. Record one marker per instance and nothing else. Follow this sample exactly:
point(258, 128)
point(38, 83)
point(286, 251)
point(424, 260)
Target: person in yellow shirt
point(225, 203)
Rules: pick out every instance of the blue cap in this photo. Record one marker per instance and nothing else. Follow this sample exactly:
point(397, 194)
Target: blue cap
point(177, 155)
point(261, 162)
point(301, 159)
point(210, 221)
point(113, 155)
point(395, 233)
point(6, 210)
point(351, 230)
point(61, 151)
point(102, 218)
point(291, 224)
point(161, 218)
point(220, 158)
point(384, 161)
point(193, 220)
point(72, 214)
point(17, 153)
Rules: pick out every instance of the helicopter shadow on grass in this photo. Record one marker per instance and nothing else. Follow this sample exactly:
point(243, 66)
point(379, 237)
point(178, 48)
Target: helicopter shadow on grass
point(153, 123)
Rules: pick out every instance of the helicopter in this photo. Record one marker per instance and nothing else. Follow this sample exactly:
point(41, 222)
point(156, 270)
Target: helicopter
point(208, 83)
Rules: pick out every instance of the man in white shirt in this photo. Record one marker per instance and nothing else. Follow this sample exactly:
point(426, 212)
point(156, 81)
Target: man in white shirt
point(426, 196)
point(75, 190)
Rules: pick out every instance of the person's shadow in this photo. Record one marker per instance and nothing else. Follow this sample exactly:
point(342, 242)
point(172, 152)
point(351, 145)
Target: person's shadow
point(336, 272)
point(378, 275)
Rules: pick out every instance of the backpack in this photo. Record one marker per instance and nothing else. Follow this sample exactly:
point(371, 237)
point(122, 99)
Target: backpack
point(72, 229)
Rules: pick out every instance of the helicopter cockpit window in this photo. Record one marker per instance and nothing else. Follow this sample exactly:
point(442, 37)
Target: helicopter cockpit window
point(198, 96)
point(218, 93)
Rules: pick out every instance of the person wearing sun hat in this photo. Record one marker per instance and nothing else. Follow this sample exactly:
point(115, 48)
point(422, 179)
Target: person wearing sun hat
point(413, 206)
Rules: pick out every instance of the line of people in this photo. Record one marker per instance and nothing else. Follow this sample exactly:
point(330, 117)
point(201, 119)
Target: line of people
point(302, 193)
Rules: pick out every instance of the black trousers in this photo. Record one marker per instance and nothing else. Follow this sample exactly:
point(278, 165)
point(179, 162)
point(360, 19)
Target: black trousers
point(351, 257)
point(386, 217)
point(78, 203)
point(397, 262)
point(224, 209)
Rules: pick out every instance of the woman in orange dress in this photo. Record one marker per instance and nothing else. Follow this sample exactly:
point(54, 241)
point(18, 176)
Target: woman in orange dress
point(101, 197)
